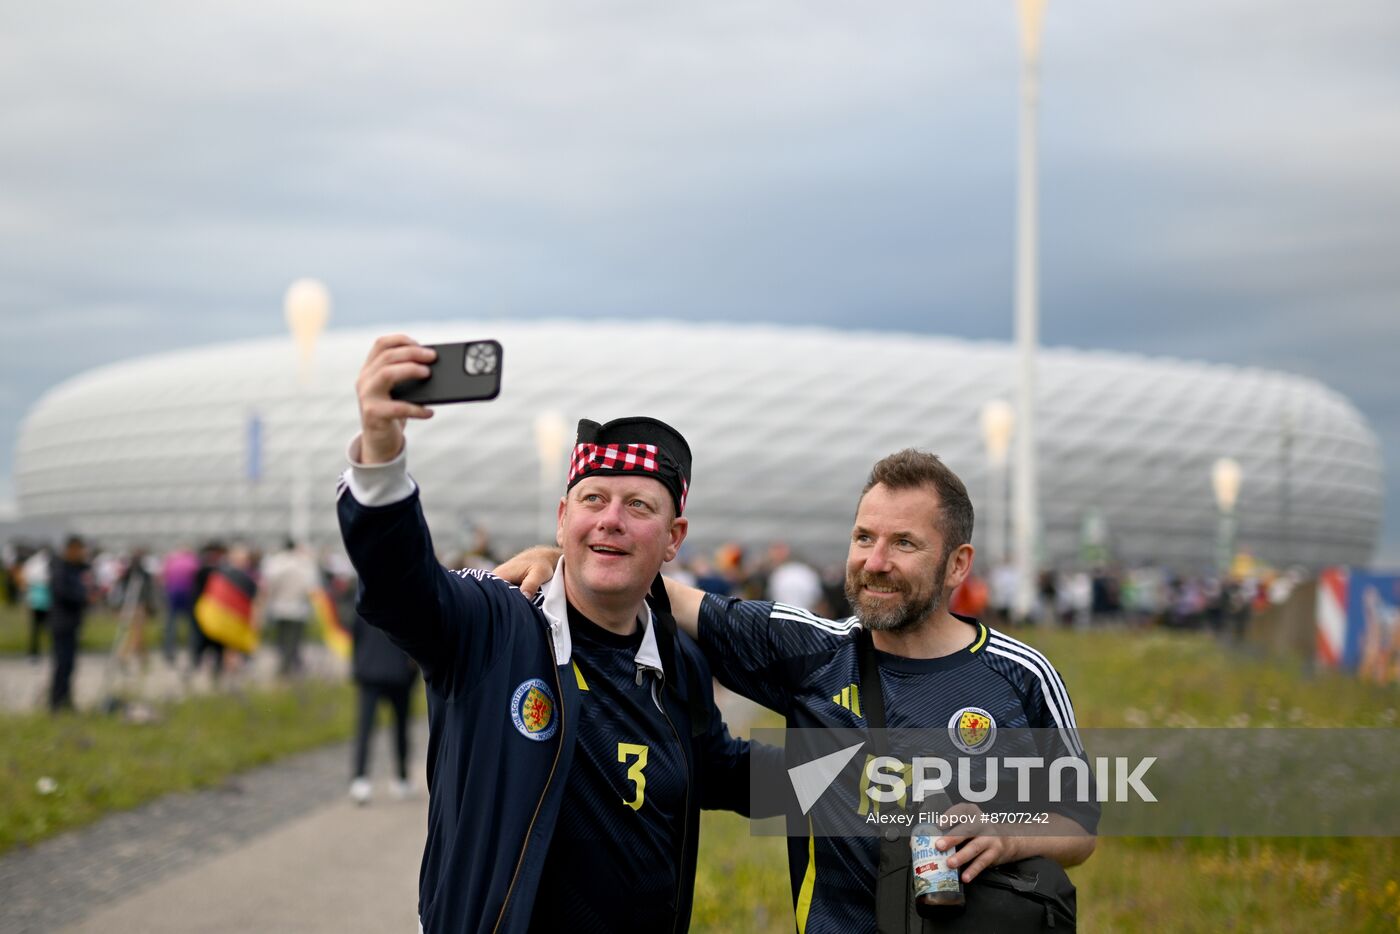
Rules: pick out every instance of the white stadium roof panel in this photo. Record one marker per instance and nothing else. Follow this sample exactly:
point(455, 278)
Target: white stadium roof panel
point(784, 422)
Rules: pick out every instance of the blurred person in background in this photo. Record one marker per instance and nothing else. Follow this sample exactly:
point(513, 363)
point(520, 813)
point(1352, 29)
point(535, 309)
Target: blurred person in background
point(708, 578)
point(177, 574)
point(10, 560)
point(970, 599)
point(791, 580)
point(383, 672)
point(73, 590)
point(35, 574)
point(481, 554)
point(211, 556)
point(289, 578)
point(1003, 592)
point(107, 568)
point(137, 587)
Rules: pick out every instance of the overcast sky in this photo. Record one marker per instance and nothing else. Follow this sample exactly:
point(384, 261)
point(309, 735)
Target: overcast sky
point(1220, 178)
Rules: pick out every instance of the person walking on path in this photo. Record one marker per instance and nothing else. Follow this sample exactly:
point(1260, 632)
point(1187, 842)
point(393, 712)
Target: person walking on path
point(177, 573)
point(72, 586)
point(138, 605)
point(289, 577)
point(383, 672)
point(35, 574)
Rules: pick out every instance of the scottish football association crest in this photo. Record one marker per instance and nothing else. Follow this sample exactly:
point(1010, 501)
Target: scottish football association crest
point(972, 730)
point(532, 710)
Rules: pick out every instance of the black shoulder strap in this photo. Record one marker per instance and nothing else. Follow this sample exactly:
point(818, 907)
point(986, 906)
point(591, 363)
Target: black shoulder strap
point(892, 882)
point(666, 644)
point(872, 697)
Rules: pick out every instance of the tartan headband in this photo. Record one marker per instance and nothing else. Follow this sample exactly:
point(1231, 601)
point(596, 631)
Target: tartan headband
point(633, 445)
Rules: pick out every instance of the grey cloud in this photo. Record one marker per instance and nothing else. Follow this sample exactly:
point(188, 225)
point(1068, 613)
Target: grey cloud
point(1219, 180)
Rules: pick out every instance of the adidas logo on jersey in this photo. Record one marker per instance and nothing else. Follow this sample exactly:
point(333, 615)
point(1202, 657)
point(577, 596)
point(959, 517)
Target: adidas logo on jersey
point(849, 697)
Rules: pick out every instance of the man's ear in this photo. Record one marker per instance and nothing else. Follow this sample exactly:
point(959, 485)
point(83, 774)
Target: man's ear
point(679, 526)
point(959, 567)
point(559, 520)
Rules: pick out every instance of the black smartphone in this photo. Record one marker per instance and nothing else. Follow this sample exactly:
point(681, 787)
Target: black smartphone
point(465, 372)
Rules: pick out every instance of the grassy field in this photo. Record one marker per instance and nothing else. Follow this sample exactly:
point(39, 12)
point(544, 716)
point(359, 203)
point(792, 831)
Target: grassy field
point(1119, 679)
point(99, 764)
point(99, 628)
point(1116, 679)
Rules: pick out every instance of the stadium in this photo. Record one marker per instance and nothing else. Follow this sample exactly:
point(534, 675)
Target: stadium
point(784, 422)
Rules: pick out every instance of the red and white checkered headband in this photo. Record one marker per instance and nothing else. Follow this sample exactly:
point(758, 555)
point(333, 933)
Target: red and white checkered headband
point(617, 458)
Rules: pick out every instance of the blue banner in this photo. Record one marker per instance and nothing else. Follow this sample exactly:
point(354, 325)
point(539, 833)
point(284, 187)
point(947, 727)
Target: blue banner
point(254, 447)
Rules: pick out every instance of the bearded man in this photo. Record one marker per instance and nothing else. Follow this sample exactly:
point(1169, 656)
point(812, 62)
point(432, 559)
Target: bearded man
point(909, 550)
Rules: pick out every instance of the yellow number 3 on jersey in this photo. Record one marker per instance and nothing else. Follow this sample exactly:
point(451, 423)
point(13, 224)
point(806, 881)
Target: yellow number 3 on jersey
point(634, 771)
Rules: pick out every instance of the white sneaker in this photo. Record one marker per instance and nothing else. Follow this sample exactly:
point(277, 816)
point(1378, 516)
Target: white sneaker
point(400, 789)
point(360, 791)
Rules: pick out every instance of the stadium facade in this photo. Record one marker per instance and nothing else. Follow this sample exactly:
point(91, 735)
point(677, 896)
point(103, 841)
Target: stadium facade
point(784, 422)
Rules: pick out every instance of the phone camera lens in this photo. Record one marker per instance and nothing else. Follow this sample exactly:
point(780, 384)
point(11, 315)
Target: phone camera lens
point(481, 359)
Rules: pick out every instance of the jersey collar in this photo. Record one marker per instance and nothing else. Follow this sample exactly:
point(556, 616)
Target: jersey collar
point(556, 611)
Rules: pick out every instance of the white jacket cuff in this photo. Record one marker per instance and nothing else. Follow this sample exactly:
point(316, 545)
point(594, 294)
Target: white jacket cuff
point(378, 484)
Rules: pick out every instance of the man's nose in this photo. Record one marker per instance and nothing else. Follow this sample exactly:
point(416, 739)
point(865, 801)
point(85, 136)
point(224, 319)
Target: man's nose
point(611, 516)
point(877, 560)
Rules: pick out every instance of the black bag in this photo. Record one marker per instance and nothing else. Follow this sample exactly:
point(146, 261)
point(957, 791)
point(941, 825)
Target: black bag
point(1032, 894)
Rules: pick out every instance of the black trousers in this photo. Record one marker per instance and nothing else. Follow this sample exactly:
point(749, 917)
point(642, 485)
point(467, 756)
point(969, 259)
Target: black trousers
point(36, 625)
point(65, 657)
point(199, 644)
point(289, 634)
point(370, 696)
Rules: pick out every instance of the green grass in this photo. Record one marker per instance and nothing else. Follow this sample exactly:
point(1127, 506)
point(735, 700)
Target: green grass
point(99, 628)
point(1117, 679)
point(101, 764)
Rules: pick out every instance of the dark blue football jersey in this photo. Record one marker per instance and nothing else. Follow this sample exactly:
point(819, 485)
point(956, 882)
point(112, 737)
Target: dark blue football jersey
point(807, 669)
point(614, 860)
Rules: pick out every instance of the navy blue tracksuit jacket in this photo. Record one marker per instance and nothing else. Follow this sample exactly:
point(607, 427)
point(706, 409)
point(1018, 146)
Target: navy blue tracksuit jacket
point(502, 698)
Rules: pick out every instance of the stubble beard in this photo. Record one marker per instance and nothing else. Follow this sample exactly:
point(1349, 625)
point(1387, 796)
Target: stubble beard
point(900, 617)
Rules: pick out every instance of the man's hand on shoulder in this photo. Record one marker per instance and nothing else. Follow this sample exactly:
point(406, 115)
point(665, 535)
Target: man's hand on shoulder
point(530, 569)
point(393, 359)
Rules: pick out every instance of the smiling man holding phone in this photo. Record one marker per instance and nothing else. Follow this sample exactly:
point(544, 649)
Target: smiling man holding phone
point(573, 738)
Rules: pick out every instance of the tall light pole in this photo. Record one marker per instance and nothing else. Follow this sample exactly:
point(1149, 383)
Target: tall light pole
point(1026, 506)
point(1285, 493)
point(1225, 476)
point(998, 419)
point(551, 438)
point(307, 305)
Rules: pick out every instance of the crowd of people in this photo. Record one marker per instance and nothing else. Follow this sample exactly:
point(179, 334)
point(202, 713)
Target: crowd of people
point(1141, 596)
point(155, 595)
point(156, 600)
point(160, 603)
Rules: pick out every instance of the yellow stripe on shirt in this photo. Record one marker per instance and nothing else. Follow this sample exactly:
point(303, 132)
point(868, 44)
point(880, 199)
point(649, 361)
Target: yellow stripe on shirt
point(809, 882)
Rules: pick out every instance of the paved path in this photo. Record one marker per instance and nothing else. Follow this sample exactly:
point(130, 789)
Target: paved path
point(277, 849)
point(24, 684)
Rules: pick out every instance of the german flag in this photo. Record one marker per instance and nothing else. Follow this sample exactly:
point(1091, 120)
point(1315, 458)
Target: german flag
point(332, 629)
point(224, 611)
